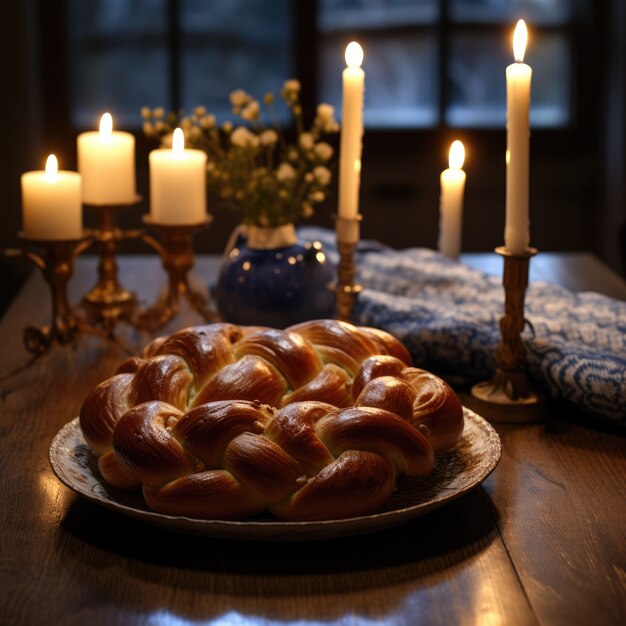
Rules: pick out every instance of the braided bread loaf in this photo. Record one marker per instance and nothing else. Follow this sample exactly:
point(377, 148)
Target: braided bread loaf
point(312, 422)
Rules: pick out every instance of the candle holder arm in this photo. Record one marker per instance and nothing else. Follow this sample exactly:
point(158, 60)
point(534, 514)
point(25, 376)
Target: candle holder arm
point(175, 248)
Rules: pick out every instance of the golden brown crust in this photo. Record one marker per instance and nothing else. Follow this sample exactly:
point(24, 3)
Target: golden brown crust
point(436, 406)
point(390, 393)
point(356, 484)
point(102, 408)
point(192, 421)
point(309, 460)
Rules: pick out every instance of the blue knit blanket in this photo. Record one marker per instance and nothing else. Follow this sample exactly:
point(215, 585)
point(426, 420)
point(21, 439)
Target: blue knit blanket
point(447, 314)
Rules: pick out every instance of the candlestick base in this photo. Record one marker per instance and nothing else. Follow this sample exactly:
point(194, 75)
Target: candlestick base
point(347, 290)
point(107, 302)
point(509, 395)
point(175, 247)
point(508, 398)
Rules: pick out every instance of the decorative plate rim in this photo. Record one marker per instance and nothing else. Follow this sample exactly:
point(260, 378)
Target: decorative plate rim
point(479, 438)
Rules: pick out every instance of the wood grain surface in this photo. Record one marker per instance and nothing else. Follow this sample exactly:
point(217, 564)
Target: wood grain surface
point(541, 542)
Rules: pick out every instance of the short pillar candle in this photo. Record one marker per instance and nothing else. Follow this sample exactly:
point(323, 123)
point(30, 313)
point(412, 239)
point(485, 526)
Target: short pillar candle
point(106, 161)
point(51, 203)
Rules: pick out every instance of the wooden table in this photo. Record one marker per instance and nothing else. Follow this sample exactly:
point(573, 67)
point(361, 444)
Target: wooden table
point(540, 542)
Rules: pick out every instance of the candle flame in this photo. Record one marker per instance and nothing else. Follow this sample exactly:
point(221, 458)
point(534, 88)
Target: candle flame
point(52, 169)
point(178, 142)
point(520, 39)
point(456, 157)
point(354, 54)
point(106, 126)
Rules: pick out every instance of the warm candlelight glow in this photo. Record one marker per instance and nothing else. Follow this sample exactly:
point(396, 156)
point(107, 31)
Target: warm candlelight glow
point(178, 142)
point(520, 38)
point(51, 206)
point(52, 169)
point(106, 126)
point(178, 183)
point(457, 155)
point(354, 54)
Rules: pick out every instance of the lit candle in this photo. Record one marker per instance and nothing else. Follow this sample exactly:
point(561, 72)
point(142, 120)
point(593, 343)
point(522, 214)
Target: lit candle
point(177, 184)
point(51, 203)
point(518, 75)
point(351, 133)
point(451, 203)
point(106, 161)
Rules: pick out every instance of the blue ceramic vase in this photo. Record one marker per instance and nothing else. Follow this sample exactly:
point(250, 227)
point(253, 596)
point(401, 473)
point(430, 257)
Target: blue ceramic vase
point(275, 286)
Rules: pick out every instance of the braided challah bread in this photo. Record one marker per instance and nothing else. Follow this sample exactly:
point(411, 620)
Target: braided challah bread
point(312, 422)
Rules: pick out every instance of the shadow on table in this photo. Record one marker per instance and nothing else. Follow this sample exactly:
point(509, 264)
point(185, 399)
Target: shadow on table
point(450, 534)
point(138, 568)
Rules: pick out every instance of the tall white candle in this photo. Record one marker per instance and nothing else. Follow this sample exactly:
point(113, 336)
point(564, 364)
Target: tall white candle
point(451, 202)
point(177, 184)
point(51, 203)
point(518, 76)
point(106, 161)
point(351, 144)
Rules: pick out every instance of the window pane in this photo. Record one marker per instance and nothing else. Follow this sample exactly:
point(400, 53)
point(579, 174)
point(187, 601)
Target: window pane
point(347, 14)
point(489, 11)
point(478, 85)
point(400, 78)
point(240, 44)
point(118, 59)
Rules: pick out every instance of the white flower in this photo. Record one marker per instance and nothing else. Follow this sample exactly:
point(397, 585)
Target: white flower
point(269, 137)
point(308, 177)
point(239, 98)
point(166, 140)
point(323, 151)
point(199, 111)
point(293, 155)
point(316, 196)
point(146, 113)
point(195, 133)
point(159, 126)
point(322, 174)
point(306, 141)
point(186, 124)
point(292, 85)
point(148, 128)
point(285, 172)
point(207, 121)
point(210, 166)
point(159, 112)
point(251, 112)
point(227, 127)
point(324, 120)
point(243, 138)
point(307, 209)
point(325, 111)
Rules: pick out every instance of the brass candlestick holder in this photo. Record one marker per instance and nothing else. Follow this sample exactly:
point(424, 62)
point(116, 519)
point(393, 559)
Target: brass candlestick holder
point(175, 247)
point(347, 289)
point(509, 396)
point(57, 266)
point(107, 302)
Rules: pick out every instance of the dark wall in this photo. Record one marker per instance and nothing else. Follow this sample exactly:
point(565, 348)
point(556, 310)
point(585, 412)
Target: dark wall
point(21, 130)
point(577, 179)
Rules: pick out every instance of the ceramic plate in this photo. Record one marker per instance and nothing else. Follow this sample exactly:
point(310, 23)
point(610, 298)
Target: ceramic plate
point(456, 471)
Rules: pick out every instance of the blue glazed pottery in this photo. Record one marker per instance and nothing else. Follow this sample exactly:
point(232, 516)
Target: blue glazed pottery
point(275, 287)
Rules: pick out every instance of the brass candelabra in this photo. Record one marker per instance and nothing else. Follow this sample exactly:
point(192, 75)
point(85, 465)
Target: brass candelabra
point(347, 288)
point(175, 247)
point(107, 302)
point(509, 395)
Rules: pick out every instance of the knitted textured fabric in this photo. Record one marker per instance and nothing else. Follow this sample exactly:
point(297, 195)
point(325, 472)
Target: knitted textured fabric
point(447, 314)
